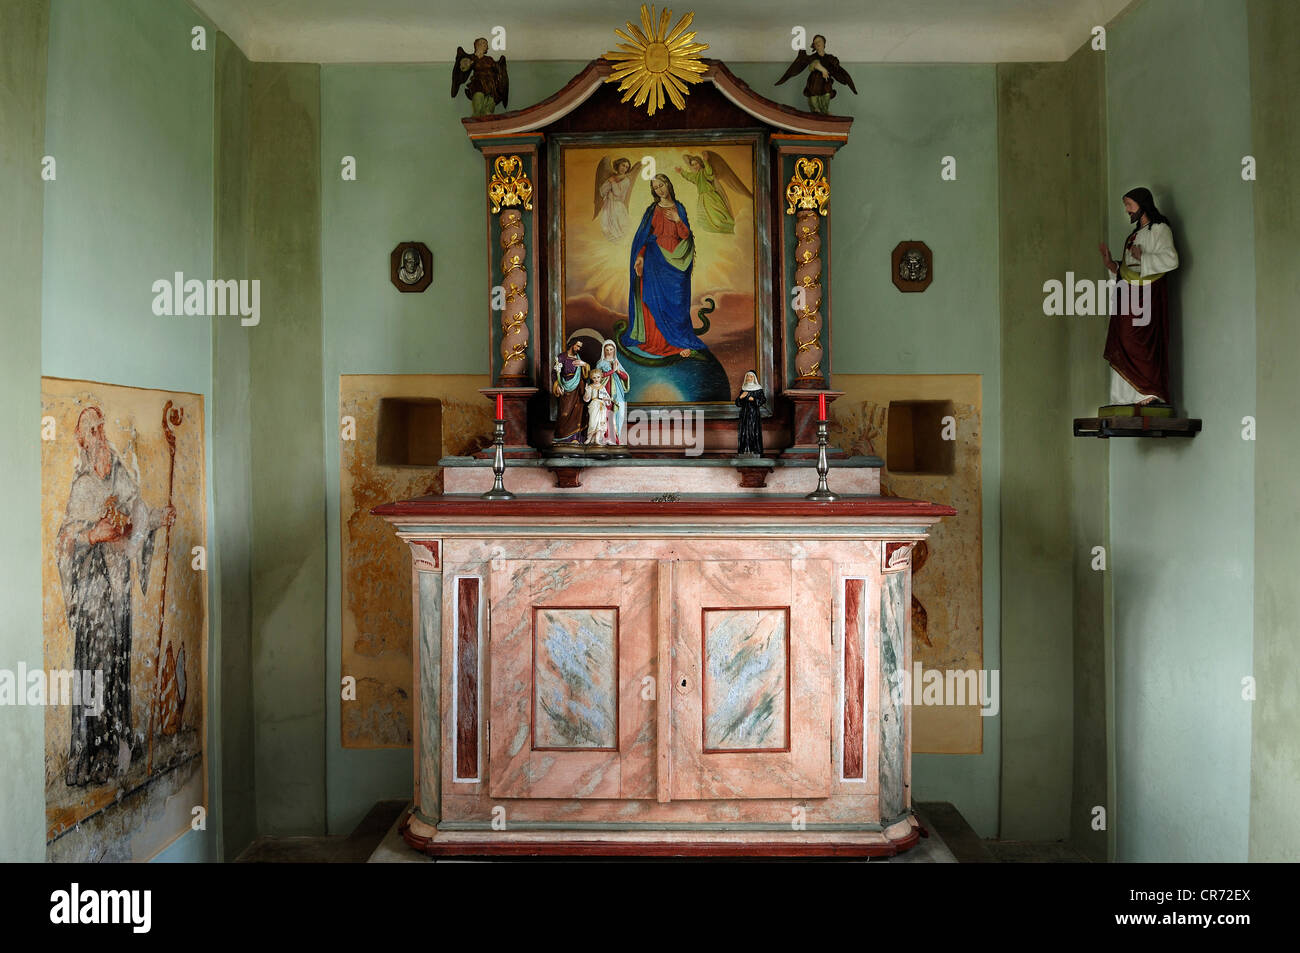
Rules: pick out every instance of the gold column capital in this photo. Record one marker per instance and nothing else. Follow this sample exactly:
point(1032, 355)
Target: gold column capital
point(808, 188)
point(509, 185)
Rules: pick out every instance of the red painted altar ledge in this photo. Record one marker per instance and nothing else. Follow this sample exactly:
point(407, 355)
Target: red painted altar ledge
point(777, 507)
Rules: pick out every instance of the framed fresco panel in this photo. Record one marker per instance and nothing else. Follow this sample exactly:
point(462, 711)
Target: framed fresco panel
point(661, 247)
point(124, 588)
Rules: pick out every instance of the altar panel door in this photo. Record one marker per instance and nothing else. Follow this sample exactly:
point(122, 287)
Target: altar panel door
point(751, 670)
point(572, 648)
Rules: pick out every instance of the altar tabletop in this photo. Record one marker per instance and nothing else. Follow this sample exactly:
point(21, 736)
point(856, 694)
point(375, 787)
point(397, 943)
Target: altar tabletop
point(672, 506)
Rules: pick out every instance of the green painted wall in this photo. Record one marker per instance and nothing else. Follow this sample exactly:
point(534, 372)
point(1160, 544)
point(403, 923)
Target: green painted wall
point(286, 456)
point(1275, 129)
point(1182, 512)
point(160, 174)
point(1092, 779)
point(231, 426)
point(129, 122)
point(24, 25)
point(413, 160)
point(1051, 168)
point(887, 179)
point(412, 156)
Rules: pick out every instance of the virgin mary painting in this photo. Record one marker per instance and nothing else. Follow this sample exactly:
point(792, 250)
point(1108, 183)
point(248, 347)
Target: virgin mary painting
point(671, 281)
point(659, 299)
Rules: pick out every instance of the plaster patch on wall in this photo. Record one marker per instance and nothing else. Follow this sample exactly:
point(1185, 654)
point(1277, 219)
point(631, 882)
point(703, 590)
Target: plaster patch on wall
point(375, 563)
point(947, 580)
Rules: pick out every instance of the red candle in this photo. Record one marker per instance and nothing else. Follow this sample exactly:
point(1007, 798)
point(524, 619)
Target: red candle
point(501, 407)
point(821, 407)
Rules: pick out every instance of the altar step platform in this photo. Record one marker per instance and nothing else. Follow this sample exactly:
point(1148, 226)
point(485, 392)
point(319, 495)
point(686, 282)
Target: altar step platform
point(940, 821)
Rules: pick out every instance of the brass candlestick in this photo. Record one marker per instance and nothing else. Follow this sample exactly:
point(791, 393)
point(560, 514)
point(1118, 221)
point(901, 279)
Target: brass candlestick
point(822, 493)
point(499, 491)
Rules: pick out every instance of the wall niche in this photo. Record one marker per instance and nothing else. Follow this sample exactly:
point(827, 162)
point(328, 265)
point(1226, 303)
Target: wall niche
point(410, 432)
point(915, 441)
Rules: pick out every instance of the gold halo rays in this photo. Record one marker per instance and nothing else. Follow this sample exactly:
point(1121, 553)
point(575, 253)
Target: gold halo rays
point(656, 60)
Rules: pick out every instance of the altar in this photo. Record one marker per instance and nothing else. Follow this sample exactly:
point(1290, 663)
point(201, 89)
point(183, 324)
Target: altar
point(686, 639)
point(676, 674)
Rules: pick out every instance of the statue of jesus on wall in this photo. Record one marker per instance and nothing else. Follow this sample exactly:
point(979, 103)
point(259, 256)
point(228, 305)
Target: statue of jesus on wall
point(1137, 344)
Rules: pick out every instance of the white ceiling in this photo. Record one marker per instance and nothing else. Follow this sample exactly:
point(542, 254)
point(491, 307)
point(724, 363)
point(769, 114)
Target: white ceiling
point(858, 31)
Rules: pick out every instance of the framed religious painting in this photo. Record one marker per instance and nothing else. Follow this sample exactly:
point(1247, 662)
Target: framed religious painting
point(660, 255)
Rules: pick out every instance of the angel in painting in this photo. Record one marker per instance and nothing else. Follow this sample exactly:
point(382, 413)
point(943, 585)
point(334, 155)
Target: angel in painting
point(824, 71)
point(709, 173)
point(614, 180)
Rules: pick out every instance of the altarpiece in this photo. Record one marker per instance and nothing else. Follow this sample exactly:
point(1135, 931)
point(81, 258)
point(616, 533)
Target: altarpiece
point(654, 646)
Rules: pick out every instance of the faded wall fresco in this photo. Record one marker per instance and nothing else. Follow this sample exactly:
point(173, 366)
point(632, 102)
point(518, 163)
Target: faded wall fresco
point(125, 616)
point(376, 565)
point(947, 580)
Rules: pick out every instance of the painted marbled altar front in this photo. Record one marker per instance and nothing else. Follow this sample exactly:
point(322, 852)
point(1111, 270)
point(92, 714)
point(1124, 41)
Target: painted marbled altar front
point(746, 679)
point(575, 678)
point(780, 614)
point(755, 660)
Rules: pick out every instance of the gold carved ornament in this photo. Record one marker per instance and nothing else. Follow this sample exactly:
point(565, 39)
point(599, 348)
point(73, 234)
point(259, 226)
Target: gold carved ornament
point(519, 350)
point(516, 318)
point(516, 352)
point(808, 314)
point(814, 370)
point(656, 60)
point(510, 185)
point(808, 187)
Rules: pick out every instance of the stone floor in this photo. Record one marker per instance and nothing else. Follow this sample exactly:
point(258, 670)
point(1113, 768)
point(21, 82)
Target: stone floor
point(355, 848)
point(376, 840)
point(1034, 852)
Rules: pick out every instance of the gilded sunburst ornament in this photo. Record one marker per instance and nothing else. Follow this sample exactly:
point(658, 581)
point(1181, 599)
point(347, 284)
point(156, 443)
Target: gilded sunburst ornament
point(657, 60)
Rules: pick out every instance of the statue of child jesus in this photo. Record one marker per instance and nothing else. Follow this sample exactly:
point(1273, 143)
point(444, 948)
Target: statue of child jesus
point(598, 401)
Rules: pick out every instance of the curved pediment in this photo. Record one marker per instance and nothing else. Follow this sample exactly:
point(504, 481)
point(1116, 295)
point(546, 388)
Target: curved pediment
point(590, 82)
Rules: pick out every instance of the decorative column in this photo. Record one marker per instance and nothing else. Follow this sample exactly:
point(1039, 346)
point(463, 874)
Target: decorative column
point(510, 188)
point(510, 195)
point(807, 198)
point(426, 557)
point(895, 656)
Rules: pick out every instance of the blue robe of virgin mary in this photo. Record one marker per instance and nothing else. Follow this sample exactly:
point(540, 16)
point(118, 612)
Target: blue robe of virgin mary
point(664, 287)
